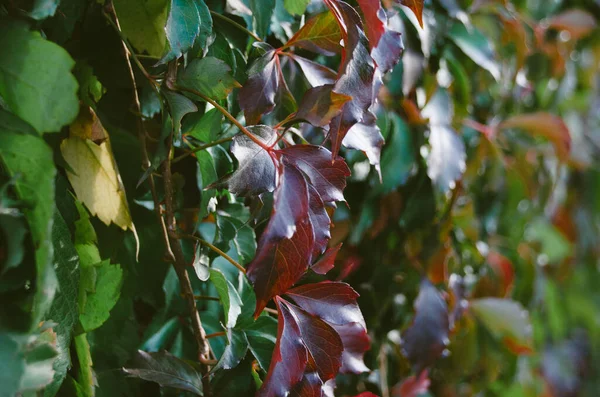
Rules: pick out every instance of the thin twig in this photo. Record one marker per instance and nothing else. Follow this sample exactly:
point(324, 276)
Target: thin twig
point(226, 114)
point(272, 311)
point(141, 130)
point(237, 25)
point(114, 21)
point(215, 249)
point(201, 147)
point(180, 268)
point(216, 334)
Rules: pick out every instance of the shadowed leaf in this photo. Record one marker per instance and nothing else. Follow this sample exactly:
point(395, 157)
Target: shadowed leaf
point(166, 370)
point(427, 337)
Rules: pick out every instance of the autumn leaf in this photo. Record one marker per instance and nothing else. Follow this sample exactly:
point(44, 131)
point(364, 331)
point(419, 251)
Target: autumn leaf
point(320, 33)
point(416, 6)
point(546, 125)
point(320, 336)
point(93, 172)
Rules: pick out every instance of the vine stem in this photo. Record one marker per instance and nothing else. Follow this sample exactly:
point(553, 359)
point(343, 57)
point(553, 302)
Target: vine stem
point(226, 114)
point(201, 147)
point(141, 131)
point(237, 25)
point(184, 279)
point(215, 249)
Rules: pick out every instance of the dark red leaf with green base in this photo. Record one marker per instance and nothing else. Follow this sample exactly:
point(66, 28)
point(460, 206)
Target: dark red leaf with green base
point(427, 337)
point(320, 105)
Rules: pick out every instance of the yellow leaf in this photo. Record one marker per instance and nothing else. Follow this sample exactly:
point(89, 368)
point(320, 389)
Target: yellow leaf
point(93, 172)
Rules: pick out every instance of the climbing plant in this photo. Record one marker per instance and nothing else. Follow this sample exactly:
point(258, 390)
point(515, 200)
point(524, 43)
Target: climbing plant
point(296, 197)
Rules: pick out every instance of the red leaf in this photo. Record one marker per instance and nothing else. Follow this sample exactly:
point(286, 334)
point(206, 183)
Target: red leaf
point(544, 124)
point(427, 336)
point(386, 45)
point(326, 263)
point(356, 73)
point(320, 105)
point(285, 248)
point(412, 386)
point(315, 73)
point(320, 33)
point(335, 303)
point(366, 394)
point(503, 268)
point(307, 353)
point(416, 6)
point(257, 95)
point(327, 176)
point(578, 23)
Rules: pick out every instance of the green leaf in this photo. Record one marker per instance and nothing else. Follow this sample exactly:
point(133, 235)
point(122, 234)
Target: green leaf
point(262, 11)
point(13, 229)
point(13, 366)
point(64, 310)
point(166, 370)
point(398, 158)
point(209, 76)
point(99, 288)
point(213, 163)
point(205, 127)
point(262, 336)
point(143, 24)
point(183, 26)
point(45, 97)
point(504, 318)
point(235, 233)
point(296, 7)
point(43, 9)
point(235, 351)
point(232, 303)
point(162, 337)
point(179, 107)
point(476, 46)
point(206, 24)
point(29, 160)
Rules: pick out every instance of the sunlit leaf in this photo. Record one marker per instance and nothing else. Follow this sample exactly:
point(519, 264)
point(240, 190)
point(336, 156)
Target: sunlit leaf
point(143, 23)
point(476, 46)
point(320, 33)
point(93, 172)
point(45, 97)
point(507, 319)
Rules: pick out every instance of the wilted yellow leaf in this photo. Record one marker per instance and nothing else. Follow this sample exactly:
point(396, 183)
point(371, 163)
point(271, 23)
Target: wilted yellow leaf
point(93, 174)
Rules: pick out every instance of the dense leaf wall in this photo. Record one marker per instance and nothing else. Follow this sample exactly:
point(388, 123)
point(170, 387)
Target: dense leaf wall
point(296, 197)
